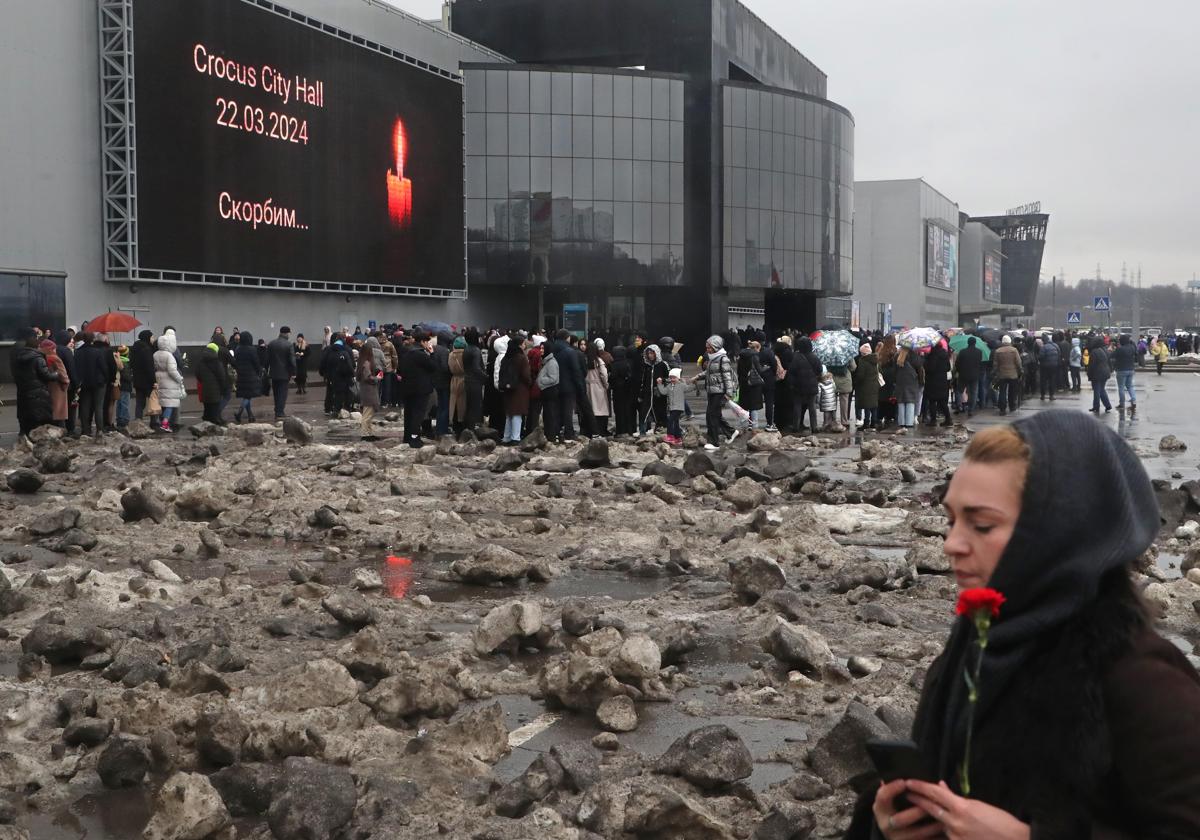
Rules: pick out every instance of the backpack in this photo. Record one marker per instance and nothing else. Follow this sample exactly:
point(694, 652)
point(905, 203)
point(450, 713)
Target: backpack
point(754, 375)
point(507, 380)
point(345, 363)
point(548, 376)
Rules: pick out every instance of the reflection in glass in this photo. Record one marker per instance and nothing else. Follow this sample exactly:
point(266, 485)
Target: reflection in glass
point(497, 134)
point(539, 175)
point(622, 221)
point(518, 175)
point(603, 174)
point(660, 183)
point(642, 217)
point(518, 134)
point(623, 180)
point(497, 177)
point(539, 134)
point(602, 137)
point(603, 221)
point(642, 174)
point(562, 177)
point(661, 223)
point(582, 175)
point(581, 145)
point(477, 177)
point(560, 136)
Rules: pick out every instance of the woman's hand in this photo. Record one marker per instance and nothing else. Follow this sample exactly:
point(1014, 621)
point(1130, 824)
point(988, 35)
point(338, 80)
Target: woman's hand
point(909, 824)
point(963, 819)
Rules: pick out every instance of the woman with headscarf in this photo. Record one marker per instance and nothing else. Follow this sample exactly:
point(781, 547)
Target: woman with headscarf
point(249, 372)
point(597, 386)
point(59, 405)
point(32, 374)
point(620, 381)
point(370, 368)
point(458, 385)
point(866, 387)
point(1080, 721)
point(651, 406)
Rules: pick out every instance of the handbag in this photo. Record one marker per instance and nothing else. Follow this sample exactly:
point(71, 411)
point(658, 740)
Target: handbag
point(879, 376)
point(153, 404)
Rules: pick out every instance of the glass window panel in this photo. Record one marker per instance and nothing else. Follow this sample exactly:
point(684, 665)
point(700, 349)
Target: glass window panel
point(660, 140)
point(518, 134)
point(476, 218)
point(739, 107)
point(777, 191)
point(477, 177)
point(739, 226)
point(497, 134)
point(497, 221)
point(641, 97)
point(641, 180)
point(752, 109)
point(602, 95)
point(518, 91)
point(766, 157)
point(602, 221)
point(677, 100)
point(475, 82)
point(789, 232)
point(751, 236)
point(561, 221)
point(677, 142)
point(660, 223)
point(562, 177)
point(622, 251)
point(778, 153)
point(661, 98)
point(582, 172)
point(677, 182)
point(642, 138)
point(497, 91)
point(738, 152)
point(540, 212)
point(727, 265)
point(779, 113)
point(644, 254)
point(766, 114)
point(789, 119)
point(752, 195)
point(560, 93)
point(539, 93)
point(622, 137)
point(623, 96)
point(497, 177)
point(602, 137)
point(560, 135)
point(603, 175)
point(623, 180)
point(539, 174)
point(726, 227)
point(518, 219)
point(738, 197)
point(539, 134)
point(739, 266)
point(660, 179)
point(779, 223)
point(791, 202)
point(581, 93)
point(766, 187)
point(476, 134)
point(642, 218)
point(622, 221)
point(581, 144)
point(789, 153)
point(518, 175)
point(581, 220)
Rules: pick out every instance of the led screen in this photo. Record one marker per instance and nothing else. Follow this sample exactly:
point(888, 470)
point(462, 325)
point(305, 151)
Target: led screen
point(267, 148)
point(941, 257)
point(991, 277)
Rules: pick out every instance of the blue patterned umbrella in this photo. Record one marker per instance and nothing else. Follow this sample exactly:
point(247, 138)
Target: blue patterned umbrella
point(919, 338)
point(835, 348)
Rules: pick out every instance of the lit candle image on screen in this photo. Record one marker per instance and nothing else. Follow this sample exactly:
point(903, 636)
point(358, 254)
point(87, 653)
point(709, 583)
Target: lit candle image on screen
point(399, 188)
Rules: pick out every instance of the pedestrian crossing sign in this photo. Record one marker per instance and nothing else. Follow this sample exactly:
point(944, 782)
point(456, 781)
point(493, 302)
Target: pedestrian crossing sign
point(1074, 318)
point(1103, 304)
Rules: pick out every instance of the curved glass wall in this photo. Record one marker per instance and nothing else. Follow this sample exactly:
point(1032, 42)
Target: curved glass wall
point(787, 191)
point(574, 176)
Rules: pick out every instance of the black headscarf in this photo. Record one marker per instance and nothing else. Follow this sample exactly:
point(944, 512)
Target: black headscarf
point(1051, 569)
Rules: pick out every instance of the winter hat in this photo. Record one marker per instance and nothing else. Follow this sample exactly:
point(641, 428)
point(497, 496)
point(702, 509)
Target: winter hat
point(1006, 340)
point(676, 372)
point(598, 343)
point(47, 346)
point(865, 350)
point(285, 330)
point(539, 340)
point(716, 342)
point(212, 346)
point(460, 343)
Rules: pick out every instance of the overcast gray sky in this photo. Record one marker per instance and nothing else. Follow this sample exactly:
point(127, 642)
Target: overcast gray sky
point(1090, 106)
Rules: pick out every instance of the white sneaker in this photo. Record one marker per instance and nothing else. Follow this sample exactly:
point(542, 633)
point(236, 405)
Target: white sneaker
point(772, 428)
point(734, 436)
point(710, 447)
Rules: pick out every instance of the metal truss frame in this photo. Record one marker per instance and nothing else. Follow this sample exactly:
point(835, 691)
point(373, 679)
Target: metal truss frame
point(118, 146)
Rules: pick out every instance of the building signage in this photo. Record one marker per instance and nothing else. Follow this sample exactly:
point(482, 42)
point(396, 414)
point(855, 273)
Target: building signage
point(991, 277)
point(941, 257)
point(575, 319)
point(856, 315)
point(1026, 209)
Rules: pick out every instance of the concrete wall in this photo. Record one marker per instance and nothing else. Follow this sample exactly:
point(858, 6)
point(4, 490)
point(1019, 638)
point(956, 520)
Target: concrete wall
point(889, 252)
point(50, 218)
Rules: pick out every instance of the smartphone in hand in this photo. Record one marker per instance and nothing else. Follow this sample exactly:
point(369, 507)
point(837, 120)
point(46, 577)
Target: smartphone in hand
point(900, 760)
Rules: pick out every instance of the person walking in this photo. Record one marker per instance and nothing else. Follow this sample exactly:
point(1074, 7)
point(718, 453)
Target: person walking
point(1159, 351)
point(249, 376)
point(1075, 361)
point(1007, 371)
point(1123, 361)
point(719, 384)
point(866, 387)
point(141, 363)
point(969, 366)
point(597, 386)
point(32, 375)
point(371, 362)
point(1049, 358)
point(417, 369)
point(750, 381)
point(281, 365)
point(515, 378)
point(908, 390)
point(59, 389)
point(769, 365)
point(1099, 369)
point(213, 383)
point(1081, 721)
point(168, 379)
point(340, 373)
point(937, 385)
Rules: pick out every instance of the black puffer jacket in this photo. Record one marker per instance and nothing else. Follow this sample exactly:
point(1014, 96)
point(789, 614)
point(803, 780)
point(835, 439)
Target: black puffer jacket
point(91, 367)
point(210, 373)
point(141, 359)
point(417, 369)
point(249, 369)
point(30, 373)
point(805, 370)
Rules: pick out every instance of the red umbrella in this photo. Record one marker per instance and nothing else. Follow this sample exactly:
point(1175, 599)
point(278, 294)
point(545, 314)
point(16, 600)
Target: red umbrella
point(113, 322)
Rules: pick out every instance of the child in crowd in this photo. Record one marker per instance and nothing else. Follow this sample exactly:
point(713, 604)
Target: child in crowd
point(827, 392)
point(674, 390)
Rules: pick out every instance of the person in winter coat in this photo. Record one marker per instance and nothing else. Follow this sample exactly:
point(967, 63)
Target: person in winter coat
point(1049, 358)
point(141, 362)
point(1083, 722)
point(417, 369)
point(649, 403)
point(168, 379)
point(1076, 365)
point(338, 367)
point(441, 381)
point(969, 366)
point(597, 387)
point(387, 385)
point(1064, 353)
point(720, 382)
point(282, 367)
point(843, 380)
point(1124, 362)
point(767, 363)
point(213, 382)
point(475, 378)
point(32, 375)
point(783, 389)
point(59, 406)
point(828, 401)
point(750, 381)
point(535, 353)
point(63, 341)
point(572, 389)
point(866, 387)
point(370, 368)
point(516, 378)
point(301, 351)
point(1160, 352)
point(675, 391)
point(458, 385)
point(249, 376)
point(624, 402)
point(92, 370)
point(803, 377)
point(887, 351)
point(908, 389)
point(937, 385)
point(1007, 370)
point(1099, 370)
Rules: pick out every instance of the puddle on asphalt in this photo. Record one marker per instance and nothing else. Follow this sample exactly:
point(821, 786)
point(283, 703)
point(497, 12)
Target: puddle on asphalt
point(99, 815)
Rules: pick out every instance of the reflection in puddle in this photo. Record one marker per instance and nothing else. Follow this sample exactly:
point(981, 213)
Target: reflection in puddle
point(397, 575)
point(103, 815)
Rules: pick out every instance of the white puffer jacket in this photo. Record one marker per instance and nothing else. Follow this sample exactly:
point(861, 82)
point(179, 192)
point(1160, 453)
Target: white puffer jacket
point(166, 372)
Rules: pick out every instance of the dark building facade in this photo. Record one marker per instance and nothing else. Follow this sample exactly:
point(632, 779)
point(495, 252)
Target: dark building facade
point(1023, 240)
point(658, 160)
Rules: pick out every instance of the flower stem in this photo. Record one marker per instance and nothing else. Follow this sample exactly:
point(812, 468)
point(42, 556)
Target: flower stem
point(981, 626)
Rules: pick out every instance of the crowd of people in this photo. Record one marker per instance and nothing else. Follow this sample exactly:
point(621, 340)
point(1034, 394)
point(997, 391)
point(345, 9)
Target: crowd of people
point(447, 379)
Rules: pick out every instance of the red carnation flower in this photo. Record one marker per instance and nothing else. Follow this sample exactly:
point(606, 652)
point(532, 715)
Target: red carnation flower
point(973, 601)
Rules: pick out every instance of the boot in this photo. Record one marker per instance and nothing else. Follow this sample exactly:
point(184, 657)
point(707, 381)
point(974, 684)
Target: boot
point(237, 416)
point(250, 416)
